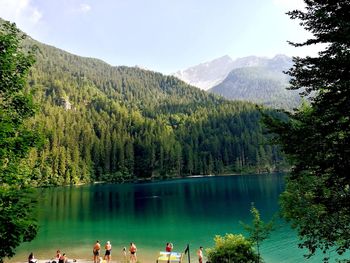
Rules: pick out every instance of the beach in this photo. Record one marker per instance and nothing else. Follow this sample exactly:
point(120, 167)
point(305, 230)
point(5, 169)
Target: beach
point(142, 257)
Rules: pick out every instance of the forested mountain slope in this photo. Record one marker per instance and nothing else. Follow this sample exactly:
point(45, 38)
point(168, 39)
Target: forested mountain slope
point(114, 123)
point(261, 85)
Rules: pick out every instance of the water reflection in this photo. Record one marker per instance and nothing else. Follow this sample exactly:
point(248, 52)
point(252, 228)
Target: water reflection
point(204, 198)
point(181, 211)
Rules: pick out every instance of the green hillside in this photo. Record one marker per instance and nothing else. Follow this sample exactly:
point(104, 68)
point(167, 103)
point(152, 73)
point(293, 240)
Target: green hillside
point(115, 123)
point(263, 85)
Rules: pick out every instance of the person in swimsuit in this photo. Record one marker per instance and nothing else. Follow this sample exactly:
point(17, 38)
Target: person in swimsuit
point(96, 252)
point(58, 255)
point(108, 248)
point(31, 258)
point(62, 258)
point(133, 250)
point(200, 254)
point(169, 247)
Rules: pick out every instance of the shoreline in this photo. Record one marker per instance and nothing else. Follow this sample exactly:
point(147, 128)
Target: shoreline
point(160, 179)
point(143, 256)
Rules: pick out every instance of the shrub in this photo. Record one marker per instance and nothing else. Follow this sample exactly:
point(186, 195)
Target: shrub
point(232, 249)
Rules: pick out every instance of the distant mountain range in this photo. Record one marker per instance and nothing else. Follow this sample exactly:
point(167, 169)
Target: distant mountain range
point(255, 79)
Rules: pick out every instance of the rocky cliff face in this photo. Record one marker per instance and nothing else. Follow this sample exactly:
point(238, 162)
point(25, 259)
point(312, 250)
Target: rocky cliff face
point(255, 79)
point(212, 73)
point(207, 75)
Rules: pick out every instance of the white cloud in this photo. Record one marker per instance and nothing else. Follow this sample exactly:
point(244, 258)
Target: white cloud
point(35, 16)
point(84, 8)
point(20, 11)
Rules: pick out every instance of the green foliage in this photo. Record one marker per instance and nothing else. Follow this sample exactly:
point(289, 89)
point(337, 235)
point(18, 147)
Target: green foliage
point(258, 231)
point(17, 200)
point(317, 137)
point(233, 249)
point(104, 123)
point(17, 218)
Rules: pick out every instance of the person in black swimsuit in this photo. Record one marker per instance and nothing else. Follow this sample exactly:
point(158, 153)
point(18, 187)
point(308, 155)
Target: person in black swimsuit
point(96, 252)
point(108, 248)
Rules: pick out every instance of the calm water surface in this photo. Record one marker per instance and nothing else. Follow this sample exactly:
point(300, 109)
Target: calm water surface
point(185, 211)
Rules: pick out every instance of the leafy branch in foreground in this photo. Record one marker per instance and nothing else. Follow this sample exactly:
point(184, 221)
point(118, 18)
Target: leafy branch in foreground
point(17, 198)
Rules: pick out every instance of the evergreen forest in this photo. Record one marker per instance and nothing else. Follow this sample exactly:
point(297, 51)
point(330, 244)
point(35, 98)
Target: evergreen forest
point(104, 123)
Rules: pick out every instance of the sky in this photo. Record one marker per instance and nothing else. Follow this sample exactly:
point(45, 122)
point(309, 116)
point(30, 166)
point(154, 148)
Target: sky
point(161, 35)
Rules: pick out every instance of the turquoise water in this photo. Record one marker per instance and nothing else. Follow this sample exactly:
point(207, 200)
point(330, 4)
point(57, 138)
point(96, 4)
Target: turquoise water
point(183, 211)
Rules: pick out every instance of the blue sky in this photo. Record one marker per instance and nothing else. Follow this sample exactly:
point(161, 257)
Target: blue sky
point(161, 35)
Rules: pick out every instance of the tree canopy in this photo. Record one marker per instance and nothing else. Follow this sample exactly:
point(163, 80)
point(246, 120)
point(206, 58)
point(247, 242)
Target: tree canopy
point(317, 136)
point(17, 200)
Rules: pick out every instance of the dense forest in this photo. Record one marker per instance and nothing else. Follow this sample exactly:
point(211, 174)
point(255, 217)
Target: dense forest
point(115, 123)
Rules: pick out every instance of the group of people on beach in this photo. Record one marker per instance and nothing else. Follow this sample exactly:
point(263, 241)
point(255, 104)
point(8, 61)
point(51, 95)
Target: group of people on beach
point(59, 258)
point(108, 254)
point(62, 258)
point(132, 250)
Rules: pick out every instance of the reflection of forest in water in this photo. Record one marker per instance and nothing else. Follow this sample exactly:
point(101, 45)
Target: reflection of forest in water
point(182, 211)
point(206, 197)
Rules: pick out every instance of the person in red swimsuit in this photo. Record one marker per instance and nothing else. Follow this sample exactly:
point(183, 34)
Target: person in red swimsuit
point(133, 250)
point(169, 247)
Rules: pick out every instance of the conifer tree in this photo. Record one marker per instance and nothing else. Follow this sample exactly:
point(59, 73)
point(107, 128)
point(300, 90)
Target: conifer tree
point(317, 136)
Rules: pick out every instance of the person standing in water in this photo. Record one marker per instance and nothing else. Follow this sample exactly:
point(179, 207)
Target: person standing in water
point(96, 251)
point(108, 248)
point(133, 250)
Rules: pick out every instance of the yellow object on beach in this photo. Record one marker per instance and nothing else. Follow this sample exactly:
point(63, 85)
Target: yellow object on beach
point(171, 257)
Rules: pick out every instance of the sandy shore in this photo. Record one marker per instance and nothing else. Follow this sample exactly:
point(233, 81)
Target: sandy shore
point(79, 261)
point(145, 258)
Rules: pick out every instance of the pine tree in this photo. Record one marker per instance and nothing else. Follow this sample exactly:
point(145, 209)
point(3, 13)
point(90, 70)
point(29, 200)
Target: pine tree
point(316, 137)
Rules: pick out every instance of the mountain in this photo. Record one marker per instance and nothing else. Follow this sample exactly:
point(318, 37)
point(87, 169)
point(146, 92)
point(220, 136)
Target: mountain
point(255, 79)
point(121, 123)
point(264, 83)
point(208, 74)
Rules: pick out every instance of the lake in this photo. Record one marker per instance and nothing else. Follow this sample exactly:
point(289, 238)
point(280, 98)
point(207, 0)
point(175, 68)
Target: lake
point(182, 211)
